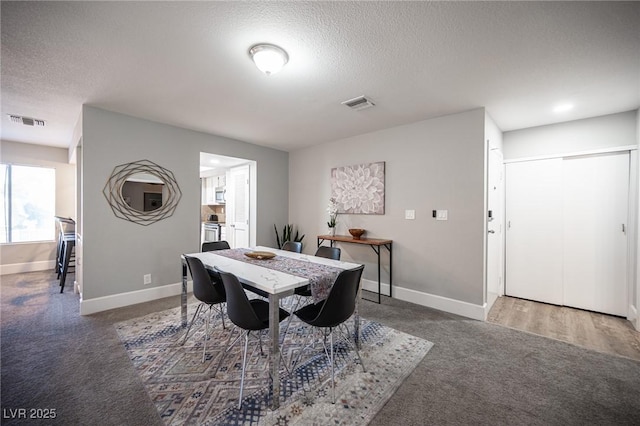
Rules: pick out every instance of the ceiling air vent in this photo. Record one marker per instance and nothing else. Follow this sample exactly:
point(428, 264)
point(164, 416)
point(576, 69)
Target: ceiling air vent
point(361, 102)
point(27, 121)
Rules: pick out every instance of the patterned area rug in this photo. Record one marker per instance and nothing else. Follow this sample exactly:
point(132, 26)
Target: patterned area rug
point(186, 390)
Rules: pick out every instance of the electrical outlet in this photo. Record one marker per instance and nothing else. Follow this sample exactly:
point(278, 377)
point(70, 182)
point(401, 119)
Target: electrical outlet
point(147, 279)
point(409, 214)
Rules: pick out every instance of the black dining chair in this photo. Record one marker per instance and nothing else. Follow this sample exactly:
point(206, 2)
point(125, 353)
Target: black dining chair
point(328, 252)
point(249, 315)
point(208, 292)
point(333, 311)
point(294, 246)
point(215, 245)
point(323, 251)
point(300, 292)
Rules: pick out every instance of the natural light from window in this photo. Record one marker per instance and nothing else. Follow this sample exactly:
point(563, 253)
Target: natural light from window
point(28, 203)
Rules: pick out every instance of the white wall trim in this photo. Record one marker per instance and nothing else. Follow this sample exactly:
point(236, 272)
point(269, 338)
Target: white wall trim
point(575, 154)
point(99, 304)
point(465, 309)
point(20, 268)
point(633, 317)
point(372, 285)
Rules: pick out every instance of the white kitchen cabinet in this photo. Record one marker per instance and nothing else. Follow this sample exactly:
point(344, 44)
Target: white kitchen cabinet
point(209, 190)
point(209, 186)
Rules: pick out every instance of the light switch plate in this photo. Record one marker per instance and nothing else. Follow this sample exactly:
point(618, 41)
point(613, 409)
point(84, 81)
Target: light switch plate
point(410, 214)
point(442, 214)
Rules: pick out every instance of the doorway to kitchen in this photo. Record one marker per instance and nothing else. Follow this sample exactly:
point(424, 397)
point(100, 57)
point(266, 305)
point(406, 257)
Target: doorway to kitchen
point(228, 199)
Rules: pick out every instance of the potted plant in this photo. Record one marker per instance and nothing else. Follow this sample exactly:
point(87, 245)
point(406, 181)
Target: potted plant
point(287, 235)
point(332, 209)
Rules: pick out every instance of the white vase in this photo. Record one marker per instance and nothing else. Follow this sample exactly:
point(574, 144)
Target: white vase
point(332, 231)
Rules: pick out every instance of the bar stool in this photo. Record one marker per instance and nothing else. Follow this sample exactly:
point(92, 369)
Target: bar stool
point(66, 227)
point(65, 251)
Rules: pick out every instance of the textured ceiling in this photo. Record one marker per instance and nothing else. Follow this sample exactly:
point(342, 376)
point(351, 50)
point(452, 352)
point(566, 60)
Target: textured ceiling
point(186, 64)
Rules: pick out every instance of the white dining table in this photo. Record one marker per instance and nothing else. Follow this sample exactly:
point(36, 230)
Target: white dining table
point(276, 284)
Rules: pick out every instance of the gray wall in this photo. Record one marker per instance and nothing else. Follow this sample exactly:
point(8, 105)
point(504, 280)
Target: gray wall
point(492, 134)
point(432, 164)
point(37, 155)
point(117, 253)
point(607, 131)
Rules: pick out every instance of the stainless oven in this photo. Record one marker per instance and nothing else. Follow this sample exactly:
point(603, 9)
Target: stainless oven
point(211, 232)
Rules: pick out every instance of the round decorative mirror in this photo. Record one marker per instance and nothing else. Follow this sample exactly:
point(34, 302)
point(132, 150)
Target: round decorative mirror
point(142, 192)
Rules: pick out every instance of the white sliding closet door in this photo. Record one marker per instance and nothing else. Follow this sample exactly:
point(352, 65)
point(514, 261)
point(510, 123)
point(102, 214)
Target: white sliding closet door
point(595, 206)
point(534, 230)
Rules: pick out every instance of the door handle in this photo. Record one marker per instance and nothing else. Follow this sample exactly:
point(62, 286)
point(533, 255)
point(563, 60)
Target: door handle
point(491, 231)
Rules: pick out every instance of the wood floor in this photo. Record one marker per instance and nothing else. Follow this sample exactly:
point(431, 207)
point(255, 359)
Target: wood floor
point(600, 332)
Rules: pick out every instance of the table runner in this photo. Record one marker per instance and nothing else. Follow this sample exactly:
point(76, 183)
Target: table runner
point(321, 277)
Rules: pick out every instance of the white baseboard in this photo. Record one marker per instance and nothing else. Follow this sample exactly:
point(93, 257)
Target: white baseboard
point(20, 268)
point(465, 309)
point(633, 317)
point(373, 286)
point(99, 304)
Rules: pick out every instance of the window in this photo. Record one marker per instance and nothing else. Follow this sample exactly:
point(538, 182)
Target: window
point(28, 203)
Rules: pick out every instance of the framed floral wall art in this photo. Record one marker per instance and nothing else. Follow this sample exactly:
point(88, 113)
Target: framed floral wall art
point(359, 189)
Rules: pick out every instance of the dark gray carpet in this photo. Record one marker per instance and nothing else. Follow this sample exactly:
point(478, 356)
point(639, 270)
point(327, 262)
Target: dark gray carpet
point(476, 373)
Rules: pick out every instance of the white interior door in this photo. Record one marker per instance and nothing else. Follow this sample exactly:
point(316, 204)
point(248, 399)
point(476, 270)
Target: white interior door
point(595, 207)
point(534, 230)
point(238, 206)
point(495, 225)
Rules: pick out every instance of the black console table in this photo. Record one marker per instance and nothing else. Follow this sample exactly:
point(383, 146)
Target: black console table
point(374, 243)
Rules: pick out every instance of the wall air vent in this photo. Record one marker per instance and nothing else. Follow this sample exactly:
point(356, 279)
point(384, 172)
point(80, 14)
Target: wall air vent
point(27, 121)
point(361, 102)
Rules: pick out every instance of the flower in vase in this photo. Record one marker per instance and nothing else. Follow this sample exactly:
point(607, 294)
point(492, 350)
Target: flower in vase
point(332, 209)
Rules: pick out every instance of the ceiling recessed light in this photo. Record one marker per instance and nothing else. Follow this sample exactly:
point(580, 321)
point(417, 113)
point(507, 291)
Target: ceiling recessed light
point(269, 58)
point(563, 108)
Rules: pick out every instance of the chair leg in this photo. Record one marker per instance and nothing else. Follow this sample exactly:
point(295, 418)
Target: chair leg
point(359, 357)
point(226, 351)
point(206, 334)
point(333, 382)
point(355, 347)
point(286, 329)
point(244, 365)
point(260, 340)
point(305, 345)
point(222, 315)
point(191, 323)
point(330, 358)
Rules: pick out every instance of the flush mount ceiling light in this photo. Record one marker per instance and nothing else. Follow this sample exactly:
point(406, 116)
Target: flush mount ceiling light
point(269, 58)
